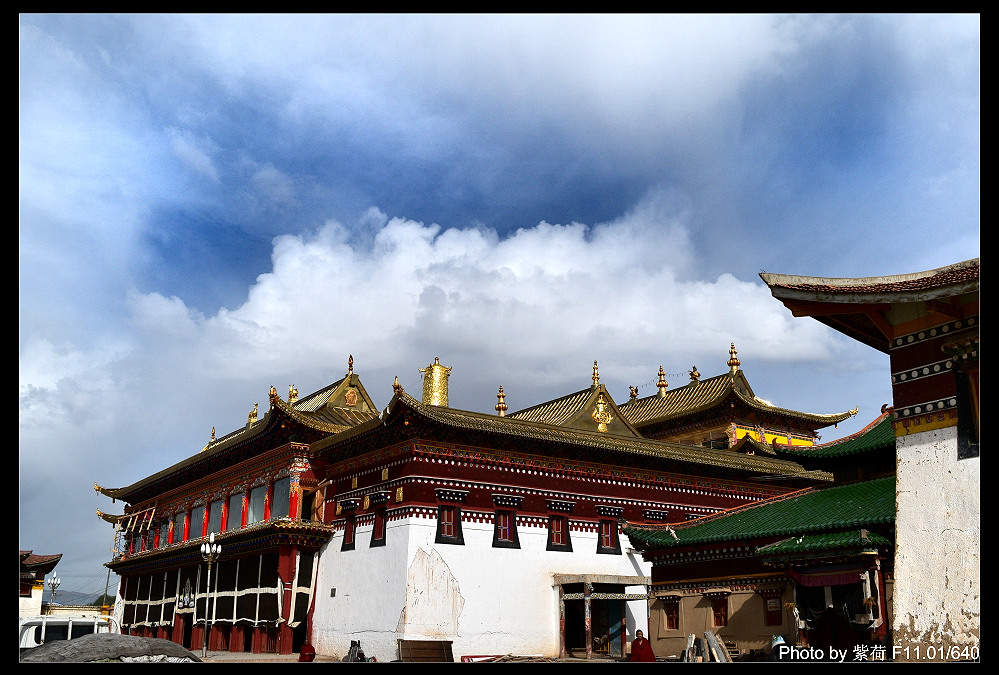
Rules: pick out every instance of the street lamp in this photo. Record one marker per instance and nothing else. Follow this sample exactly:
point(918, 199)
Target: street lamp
point(210, 551)
point(53, 583)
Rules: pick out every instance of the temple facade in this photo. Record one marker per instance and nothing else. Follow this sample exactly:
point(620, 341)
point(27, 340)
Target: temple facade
point(490, 533)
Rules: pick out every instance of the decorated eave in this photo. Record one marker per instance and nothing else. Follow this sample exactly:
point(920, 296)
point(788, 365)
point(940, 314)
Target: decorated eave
point(325, 412)
point(703, 395)
point(859, 307)
point(404, 410)
point(810, 511)
point(305, 534)
point(37, 565)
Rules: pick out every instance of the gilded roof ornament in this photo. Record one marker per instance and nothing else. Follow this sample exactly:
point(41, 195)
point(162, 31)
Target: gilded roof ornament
point(350, 365)
point(501, 406)
point(435, 383)
point(252, 417)
point(733, 361)
point(632, 393)
point(694, 375)
point(596, 375)
point(662, 383)
point(292, 393)
point(600, 414)
point(396, 387)
point(272, 395)
point(212, 439)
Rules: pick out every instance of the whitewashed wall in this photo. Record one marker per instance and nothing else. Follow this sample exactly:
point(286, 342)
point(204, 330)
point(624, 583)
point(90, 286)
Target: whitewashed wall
point(485, 600)
point(938, 544)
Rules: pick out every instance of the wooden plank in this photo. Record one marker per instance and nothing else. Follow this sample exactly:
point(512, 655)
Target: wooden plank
point(425, 651)
point(718, 651)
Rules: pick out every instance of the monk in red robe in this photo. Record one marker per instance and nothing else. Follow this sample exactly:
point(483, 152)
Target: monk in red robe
point(641, 650)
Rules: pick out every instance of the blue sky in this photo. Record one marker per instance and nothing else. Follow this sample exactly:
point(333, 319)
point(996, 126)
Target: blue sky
point(212, 204)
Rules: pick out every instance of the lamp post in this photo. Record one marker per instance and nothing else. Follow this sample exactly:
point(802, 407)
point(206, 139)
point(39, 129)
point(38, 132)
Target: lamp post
point(210, 551)
point(53, 583)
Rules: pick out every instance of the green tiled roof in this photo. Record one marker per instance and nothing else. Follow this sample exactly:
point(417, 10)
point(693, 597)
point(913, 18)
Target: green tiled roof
point(875, 436)
point(851, 540)
point(858, 505)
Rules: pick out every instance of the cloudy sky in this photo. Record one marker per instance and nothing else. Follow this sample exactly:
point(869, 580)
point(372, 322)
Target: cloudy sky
point(211, 205)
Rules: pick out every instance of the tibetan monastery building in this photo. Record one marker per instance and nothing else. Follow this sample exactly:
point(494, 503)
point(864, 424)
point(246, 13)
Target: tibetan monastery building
point(421, 523)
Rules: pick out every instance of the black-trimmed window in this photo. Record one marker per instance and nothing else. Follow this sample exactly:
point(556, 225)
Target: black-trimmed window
point(347, 507)
point(558, 533)
point(505, 521)
point(349, 529)
point(449, 525)
point(558, 525)
point(449, 516)
point(378, 530)
point(608, 540)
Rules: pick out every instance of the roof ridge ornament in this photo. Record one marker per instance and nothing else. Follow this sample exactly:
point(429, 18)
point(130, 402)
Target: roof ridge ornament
point(501, 406)
point(694, 375)
point(350, 365)
point(600, 414)
point(396, 387)
point(252, 417)
point(292, 393)
point(662, 383)
point(435, 383)
point(733, 361)
point(596, 375)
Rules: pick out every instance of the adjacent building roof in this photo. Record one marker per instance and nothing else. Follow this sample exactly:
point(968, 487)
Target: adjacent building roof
point(875, 436)
point(810, 511)
point(701, 395)
point(857, 307)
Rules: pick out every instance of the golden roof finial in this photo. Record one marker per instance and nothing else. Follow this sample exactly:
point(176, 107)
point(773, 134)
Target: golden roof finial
point(596, 375)
point(733, 361)
point(213, 435)
point(252, 417)
point(396, 387)
point(292, 393)
point(501, 406)
point(632, 393)
point(272, 394)
point(350, 365)
point(694, 375)
point(662, 383)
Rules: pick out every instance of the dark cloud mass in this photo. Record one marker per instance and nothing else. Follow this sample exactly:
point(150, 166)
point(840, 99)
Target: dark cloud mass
point(206, 201)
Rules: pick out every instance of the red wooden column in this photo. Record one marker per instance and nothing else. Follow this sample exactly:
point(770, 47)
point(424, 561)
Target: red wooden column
point(287, 556)
point(588, 618)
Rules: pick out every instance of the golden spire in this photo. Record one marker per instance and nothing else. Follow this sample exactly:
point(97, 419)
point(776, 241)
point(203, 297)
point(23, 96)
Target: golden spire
point(733, 361)
point(350, 365)
point(292, 393)
point(694, 375)
point(435, 383)
point(596, 375)
point(501, 406)
point(662, 383)
point(213, 435)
